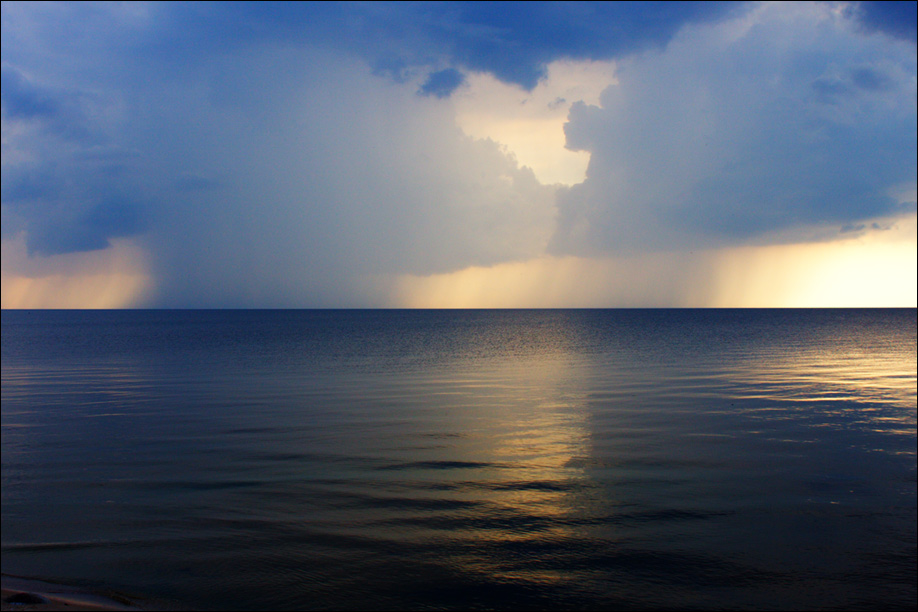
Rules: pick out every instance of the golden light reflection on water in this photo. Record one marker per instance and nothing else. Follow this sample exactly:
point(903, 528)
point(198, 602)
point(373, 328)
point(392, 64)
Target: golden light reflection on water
point(532, 423)
point(858, 376)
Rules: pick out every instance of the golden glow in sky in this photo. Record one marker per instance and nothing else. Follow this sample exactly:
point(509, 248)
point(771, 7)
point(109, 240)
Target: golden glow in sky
point(878, 268)
point(112, 278)
point(531, 124)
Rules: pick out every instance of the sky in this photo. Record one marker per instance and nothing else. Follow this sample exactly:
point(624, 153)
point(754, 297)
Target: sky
point(442, 155)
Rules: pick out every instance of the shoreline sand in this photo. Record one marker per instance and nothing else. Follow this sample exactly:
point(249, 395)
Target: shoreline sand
point(26, 594)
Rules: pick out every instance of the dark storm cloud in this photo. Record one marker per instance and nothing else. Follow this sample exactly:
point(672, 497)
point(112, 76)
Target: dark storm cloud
point(66, 186)
point(442, 83)
point(516, 40)
point(22, 100)
point(55, 110)
point(899, 19)
point(63, 215)
point(87, 230)
point(512, 40)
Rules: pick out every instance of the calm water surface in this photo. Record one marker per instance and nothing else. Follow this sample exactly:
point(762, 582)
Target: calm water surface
point(465, 459)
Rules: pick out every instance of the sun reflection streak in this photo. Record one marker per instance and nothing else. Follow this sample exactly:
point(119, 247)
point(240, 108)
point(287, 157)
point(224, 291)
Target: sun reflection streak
point(880, 380)
point(536, 431)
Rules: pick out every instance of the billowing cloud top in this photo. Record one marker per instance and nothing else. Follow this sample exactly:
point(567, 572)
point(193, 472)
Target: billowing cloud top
point(748, 128)
point(277, 154)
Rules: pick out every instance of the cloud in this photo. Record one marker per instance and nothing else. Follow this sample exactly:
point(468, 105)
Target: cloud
point(442, 83)
point(62, 113)
point(513, 41)
point(65, 184)
point(898, 19)
point(782, 119)
point(302, 154)
point(516, 41)
point(22, 100)
point(531, 123)
point(261, 170)
point(313, 175)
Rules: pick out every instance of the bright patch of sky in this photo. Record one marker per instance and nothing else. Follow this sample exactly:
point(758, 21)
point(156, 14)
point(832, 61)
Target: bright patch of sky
point(530, 124)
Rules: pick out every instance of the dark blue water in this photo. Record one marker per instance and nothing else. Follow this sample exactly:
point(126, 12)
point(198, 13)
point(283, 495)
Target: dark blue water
point(715, 459)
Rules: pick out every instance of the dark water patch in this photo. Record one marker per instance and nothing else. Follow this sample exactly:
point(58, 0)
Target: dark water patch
point(538, 485)
point(58, 546)
point(438, 465)
point(403, 503)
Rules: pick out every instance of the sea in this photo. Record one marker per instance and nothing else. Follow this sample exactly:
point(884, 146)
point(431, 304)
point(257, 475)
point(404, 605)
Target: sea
point(464, 459)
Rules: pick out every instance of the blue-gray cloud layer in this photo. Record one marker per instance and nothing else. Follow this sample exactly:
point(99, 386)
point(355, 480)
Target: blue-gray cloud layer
point(64, 181)
point(741, 133)
point(899, 19)
point(82, 80)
